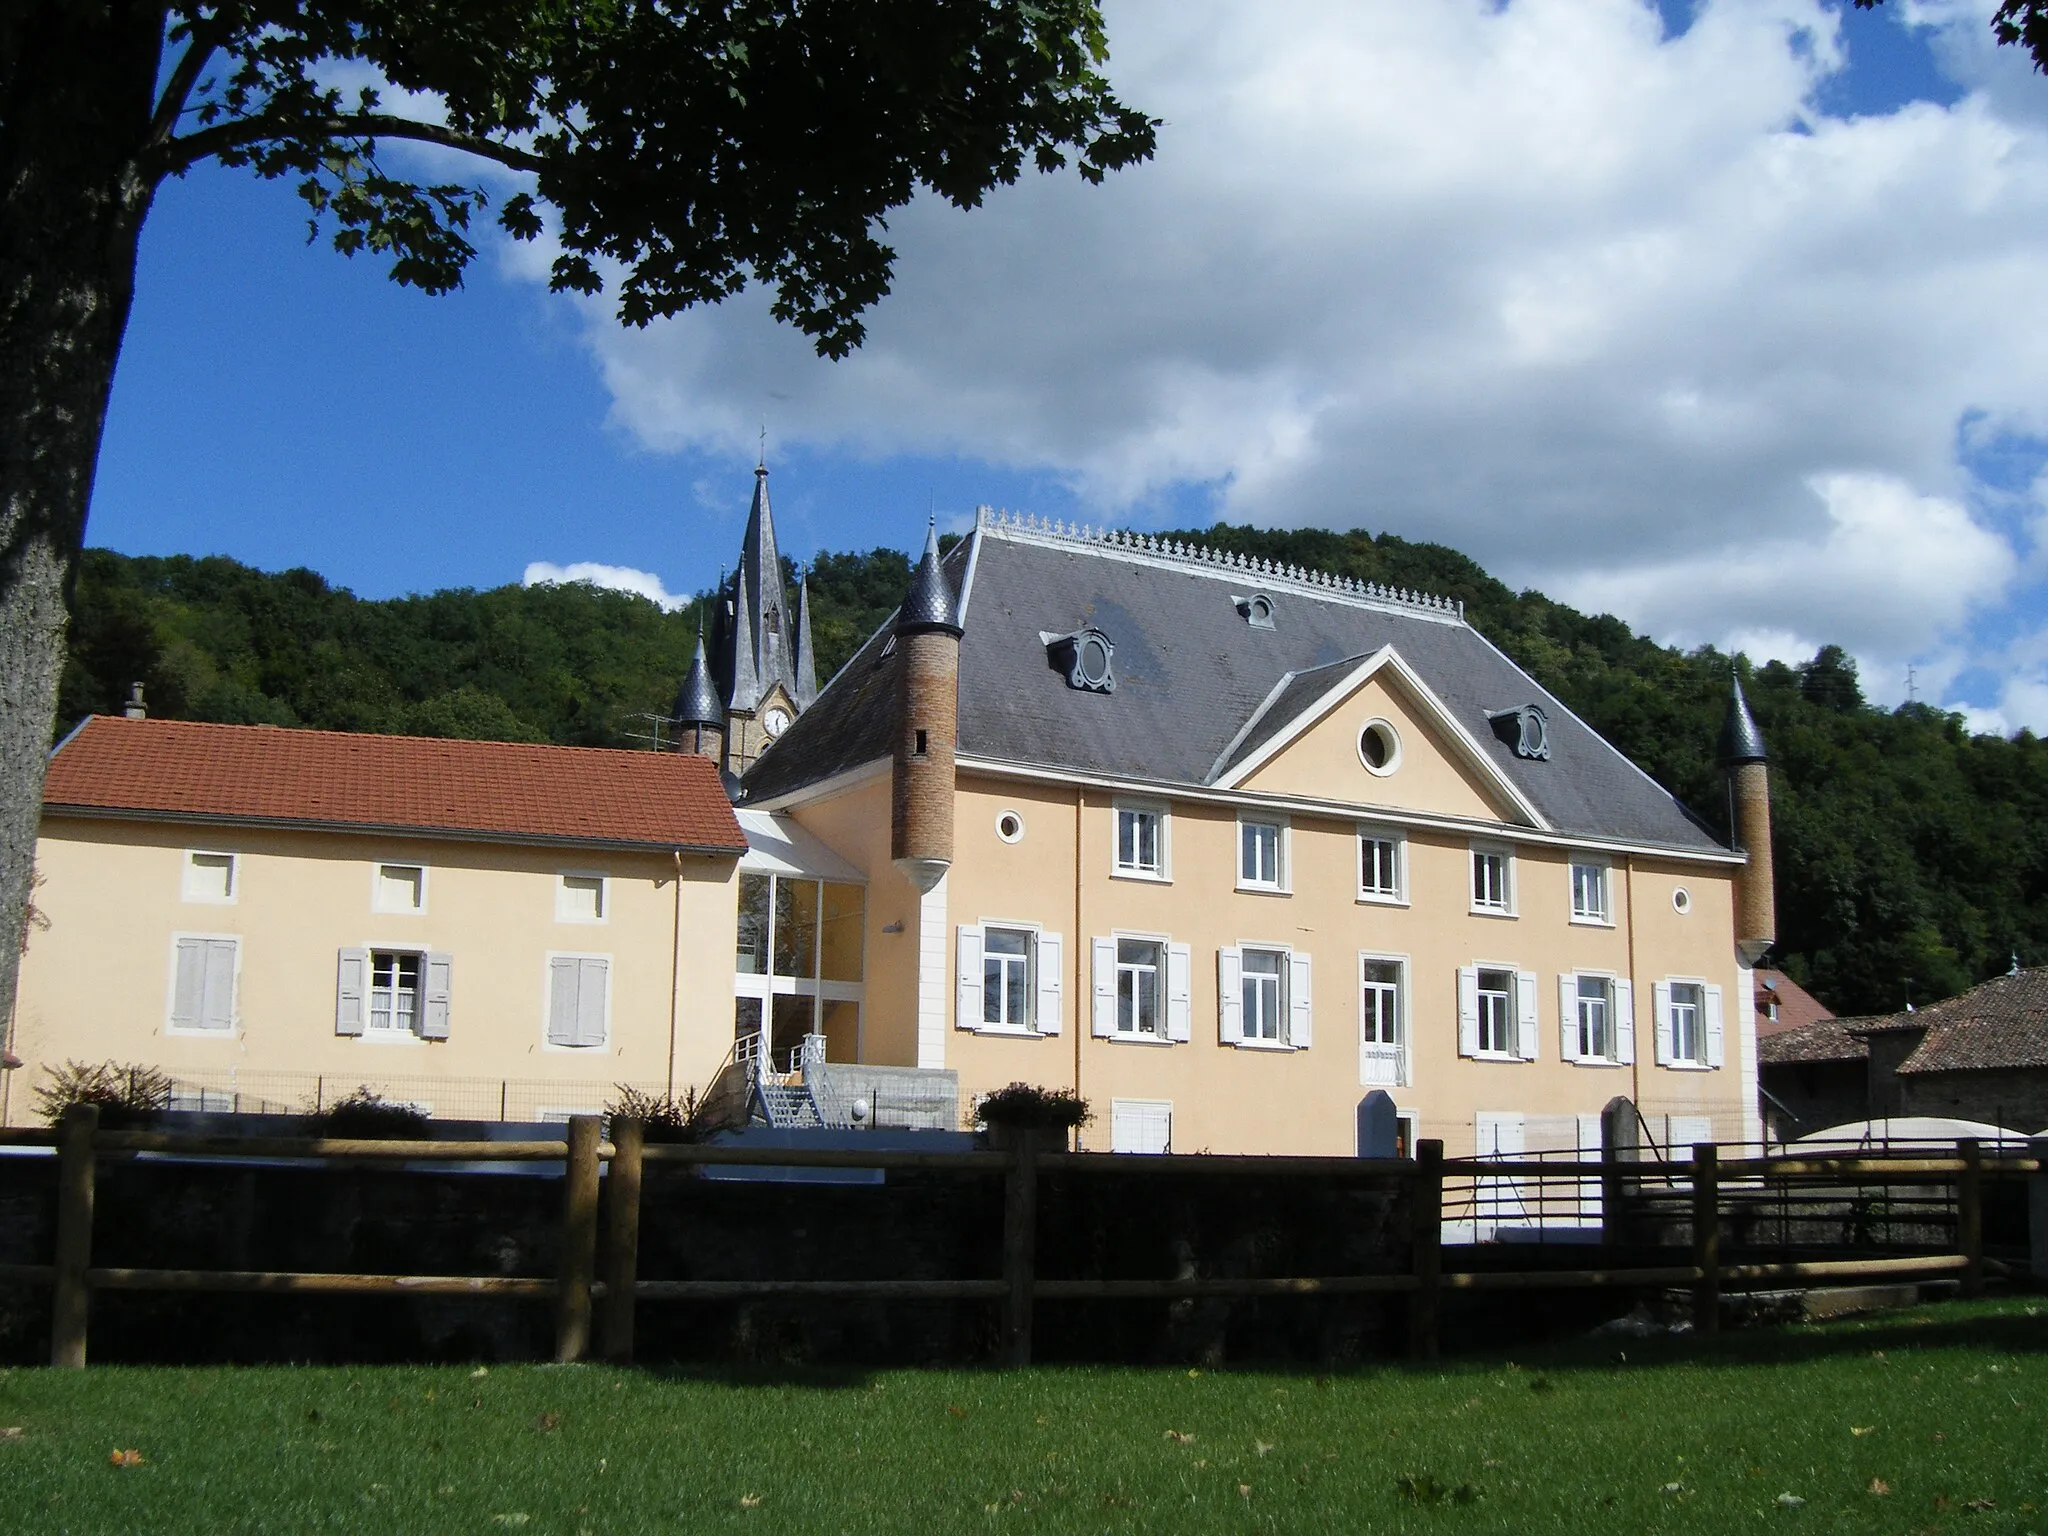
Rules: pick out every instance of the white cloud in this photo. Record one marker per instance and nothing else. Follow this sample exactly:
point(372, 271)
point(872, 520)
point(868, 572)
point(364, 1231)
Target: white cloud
point(1618, 315)
point(616, 578)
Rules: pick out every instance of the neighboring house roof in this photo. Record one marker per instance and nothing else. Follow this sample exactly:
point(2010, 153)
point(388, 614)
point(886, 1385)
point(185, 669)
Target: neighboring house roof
point(1975, 1045)
point(493, 790)
point(1192, 674)
point(1816, 1041)
point(1797, 1007)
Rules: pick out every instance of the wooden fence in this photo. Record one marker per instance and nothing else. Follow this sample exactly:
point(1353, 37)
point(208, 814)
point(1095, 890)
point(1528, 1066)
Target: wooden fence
point(597, 1289)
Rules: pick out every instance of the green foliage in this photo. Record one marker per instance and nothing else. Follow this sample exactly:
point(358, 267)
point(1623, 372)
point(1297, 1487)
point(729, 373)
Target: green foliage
point(667, 1117)
point(1028, 1107)
point(675, 145)
point(367, 1115)
point(125, 1091)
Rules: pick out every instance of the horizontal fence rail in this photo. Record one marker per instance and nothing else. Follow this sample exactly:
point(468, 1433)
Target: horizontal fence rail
point(597, 1287)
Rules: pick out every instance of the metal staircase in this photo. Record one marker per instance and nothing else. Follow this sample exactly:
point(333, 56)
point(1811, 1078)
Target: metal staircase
point(799, 1096)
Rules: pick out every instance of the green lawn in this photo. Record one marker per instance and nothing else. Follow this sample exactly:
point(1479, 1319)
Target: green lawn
point(1946, 1408)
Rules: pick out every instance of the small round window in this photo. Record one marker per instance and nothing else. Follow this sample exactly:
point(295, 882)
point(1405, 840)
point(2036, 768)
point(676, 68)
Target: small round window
point(1379, 747)
point(1091, 661)
point(1010, 827)
point(1681, 901)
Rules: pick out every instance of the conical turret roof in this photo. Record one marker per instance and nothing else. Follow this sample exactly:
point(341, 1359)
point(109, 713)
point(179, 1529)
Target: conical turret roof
point(697, 702)
point(1741, 741)
point(931, 604)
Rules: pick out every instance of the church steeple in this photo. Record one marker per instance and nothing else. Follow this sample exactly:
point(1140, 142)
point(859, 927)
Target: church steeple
point(765, 667)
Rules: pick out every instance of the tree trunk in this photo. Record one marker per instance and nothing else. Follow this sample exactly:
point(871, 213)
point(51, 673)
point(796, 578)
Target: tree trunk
point(76, 80)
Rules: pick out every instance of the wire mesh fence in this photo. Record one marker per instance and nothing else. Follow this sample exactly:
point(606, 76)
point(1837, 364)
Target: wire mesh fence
point(521, 1100)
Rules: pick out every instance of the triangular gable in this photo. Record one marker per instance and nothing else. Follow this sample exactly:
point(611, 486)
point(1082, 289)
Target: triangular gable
point(1301, 740)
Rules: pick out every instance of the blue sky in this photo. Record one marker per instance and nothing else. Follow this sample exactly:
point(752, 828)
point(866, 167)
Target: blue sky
point(1673, 312)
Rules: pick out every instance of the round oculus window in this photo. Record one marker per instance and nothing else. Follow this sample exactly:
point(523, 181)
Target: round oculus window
point(1379, 747)
point(1681, 901)
point(1091, 661)
point(1010, 827)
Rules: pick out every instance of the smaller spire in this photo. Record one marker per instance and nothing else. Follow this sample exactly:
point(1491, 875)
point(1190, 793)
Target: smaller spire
point(931, 604)
point(806, 656)
point(1741, 741)
point(697, 702)
point(746, 680)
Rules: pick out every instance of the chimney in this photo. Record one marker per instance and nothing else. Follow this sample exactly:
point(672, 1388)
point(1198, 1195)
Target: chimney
point(927, 719)
point(135, 709)
point(1749, 819)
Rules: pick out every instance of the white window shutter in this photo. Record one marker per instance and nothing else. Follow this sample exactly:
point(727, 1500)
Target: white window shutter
point(1660, 1021)
point(188, 982)
point(592, 980)
point(562, 999)
point(1300, 1003)
point(967, 966)
point(351, 989)
point(1715, 1027)
point(1052, 980)
point(1180, 989)
point(217, 1010)
point(1468, 1010)
point(1568, 1016)
point(440, 986)
point(1624, 1021)
point(1105, 988)
point(1529, 1018)
point(1229, 996)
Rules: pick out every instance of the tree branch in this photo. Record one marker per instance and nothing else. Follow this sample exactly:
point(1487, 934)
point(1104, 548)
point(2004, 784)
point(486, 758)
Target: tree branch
point(171, 105)
point(178, 154)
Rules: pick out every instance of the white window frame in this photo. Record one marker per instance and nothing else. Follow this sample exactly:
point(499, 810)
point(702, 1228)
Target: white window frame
point(1398, 897)
point(547, 1000)
point(1163, 873)
point(1621, 1047)
point(1604, 918)
point(1403, 1075)
point(1159, 1033)
point(412, 1036)
point(377, 868)
point(187, 893)
point(1283, 854)
point(1029, 1026)
point(604, 897)
point(1506, 855)
point(200, 1032)
point(1507, 1051)
point(1713, 1052)
point(1525, 1014)
point(1281, 993)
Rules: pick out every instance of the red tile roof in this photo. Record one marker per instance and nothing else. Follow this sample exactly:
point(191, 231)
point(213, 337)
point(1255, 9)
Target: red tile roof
point(487, 789)
point(1797, 1007)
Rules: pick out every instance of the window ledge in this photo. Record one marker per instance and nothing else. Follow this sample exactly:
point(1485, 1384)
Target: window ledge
point(1495, 1056)
point(1262, 890)
point(1007, 1032)
point(1120, 1038)
point(1150, 877)
point(1371, 899)
point(1591, 922)
point(1284, 1047)
point(1492, 912)
point(1688, 1066)
point(1598, 1061)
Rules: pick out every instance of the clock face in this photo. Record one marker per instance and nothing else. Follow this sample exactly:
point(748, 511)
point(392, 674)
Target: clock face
point(776, 721)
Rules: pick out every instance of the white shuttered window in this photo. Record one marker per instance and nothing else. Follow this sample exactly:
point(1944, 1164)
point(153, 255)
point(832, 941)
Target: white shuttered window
point(579, 988)
point(203, 983)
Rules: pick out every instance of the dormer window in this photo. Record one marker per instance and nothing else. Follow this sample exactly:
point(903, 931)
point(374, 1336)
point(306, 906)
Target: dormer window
point(1257, 610)
point(1525, 729)
point(1087, 657)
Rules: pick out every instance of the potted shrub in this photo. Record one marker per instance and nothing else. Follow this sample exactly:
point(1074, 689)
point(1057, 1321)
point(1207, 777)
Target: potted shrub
point(127, 1092)
point(1046, 1118)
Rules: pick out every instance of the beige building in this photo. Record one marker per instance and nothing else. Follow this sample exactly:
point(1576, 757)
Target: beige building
point(277, 918)
point(1230, 848)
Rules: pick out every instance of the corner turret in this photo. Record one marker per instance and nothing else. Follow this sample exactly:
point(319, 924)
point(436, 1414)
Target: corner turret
point(699, 713)
point(927, 637)
point(1749, 819)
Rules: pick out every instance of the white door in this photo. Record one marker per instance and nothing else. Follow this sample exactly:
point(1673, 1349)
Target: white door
point(1141, 1125)
point(1379, 1014)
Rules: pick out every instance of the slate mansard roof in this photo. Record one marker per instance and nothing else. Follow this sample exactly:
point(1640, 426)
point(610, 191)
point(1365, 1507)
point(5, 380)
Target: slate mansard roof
point(1198, 688)
point(259, 775)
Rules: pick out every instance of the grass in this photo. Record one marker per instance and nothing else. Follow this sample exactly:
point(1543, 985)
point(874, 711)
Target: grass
point(1944, 1407)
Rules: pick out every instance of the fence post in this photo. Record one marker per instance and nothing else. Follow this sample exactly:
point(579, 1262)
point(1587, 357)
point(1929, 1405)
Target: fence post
point(1426, 1249)
point(1620, 1142)
point(70, 1301)
point(2037, 1210)
point(1020, 1244)
point(1706, 1237)
point(621, 1258)
point(1970, 1214)
point(579, 1241)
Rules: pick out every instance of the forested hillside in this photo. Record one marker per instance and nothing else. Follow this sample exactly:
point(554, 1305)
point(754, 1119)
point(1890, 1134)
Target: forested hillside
point(1912, 856)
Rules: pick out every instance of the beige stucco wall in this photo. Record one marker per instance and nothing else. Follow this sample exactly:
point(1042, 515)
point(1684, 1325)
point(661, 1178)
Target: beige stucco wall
point(96, 985)
point(1246, 1099)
